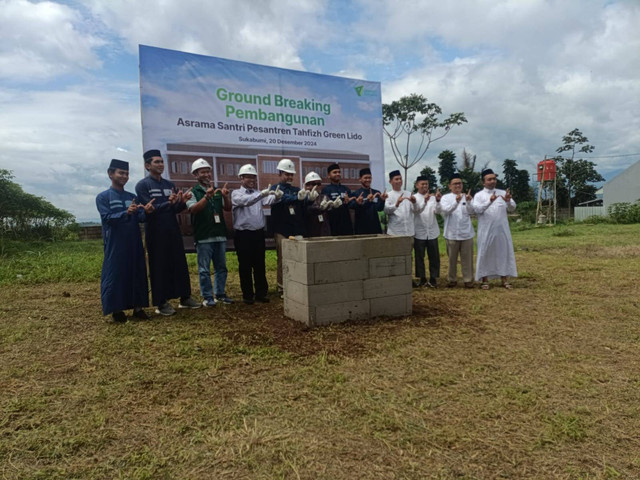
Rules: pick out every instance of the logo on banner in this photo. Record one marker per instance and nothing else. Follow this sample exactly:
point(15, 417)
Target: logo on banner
point(361, 91)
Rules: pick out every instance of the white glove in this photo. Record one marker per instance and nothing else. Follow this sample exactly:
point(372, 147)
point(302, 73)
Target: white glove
point(337, 202)
point(313, 194)
point(302, 194)
point(324, 204)
point(266, 191)
point(278, 193)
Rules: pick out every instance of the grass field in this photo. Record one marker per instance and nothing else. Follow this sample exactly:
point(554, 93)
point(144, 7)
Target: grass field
point(542, 381)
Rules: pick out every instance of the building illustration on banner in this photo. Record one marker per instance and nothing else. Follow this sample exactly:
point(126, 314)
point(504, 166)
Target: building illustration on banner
point(234, 113)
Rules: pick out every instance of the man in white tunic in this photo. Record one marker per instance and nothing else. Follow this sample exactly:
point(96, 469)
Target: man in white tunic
point(495, 247)
point(399, 207)
point(456, 207)
point(426, 234)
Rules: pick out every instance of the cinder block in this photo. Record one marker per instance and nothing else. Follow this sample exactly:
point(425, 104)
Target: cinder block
point(335, 293)
point(334, 249)
point(388, 266)
point(299, 312)
point(341, 312)
point(387, 246)
point(387, 287)
point(391, 306)
point(409, 267)
point(334, 272)
point(293, 250)
point(297, 271)
point(325, 294)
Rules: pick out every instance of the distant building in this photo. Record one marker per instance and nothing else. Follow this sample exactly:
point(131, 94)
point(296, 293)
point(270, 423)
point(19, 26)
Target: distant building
point(623, 188)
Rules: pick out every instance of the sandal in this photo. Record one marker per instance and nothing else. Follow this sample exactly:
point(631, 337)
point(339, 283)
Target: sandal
point(485, 286)
point(508, 286)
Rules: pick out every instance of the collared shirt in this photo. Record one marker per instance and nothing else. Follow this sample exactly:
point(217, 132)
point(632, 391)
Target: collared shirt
point(247, 208)
point(400, 217)
point(426, 224)
point(457, 222)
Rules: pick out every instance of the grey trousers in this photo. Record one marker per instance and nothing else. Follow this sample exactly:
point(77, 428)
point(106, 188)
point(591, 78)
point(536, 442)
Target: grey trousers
point(464, 249)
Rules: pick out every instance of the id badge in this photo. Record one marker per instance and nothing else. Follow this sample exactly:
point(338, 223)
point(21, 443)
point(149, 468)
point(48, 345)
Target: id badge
point(375, 200)
point(292, 211)
point(216, 218)
point(320, 218)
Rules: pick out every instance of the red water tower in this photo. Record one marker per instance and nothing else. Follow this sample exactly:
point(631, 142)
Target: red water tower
point(546, 170)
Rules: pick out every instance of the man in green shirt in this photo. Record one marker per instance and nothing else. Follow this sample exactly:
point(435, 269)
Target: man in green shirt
point(210, 232)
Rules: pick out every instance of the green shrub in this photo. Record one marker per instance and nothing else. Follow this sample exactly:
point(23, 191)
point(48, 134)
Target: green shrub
point(625, 212)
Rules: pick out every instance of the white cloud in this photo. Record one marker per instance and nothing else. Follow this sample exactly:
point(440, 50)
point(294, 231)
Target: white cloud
point(525, 72)
point(265, 32)
point(43, 40)
point(56, 141)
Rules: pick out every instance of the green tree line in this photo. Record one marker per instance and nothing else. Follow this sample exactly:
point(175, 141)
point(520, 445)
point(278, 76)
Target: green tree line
point(27, 216)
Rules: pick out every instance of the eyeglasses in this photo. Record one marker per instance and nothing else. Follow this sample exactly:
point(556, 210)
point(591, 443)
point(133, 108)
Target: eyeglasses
point(456, 183)
point(314, 184)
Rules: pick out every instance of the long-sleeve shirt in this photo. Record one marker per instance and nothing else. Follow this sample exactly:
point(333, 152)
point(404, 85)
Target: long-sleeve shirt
point(367, 220)
point(425, 222)
point(286, 216)
point(246, 206)
point(339, 218)
point(457, 222)
point(400, 217)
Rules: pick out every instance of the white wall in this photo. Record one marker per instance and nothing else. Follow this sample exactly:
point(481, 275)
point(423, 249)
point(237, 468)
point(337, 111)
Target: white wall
point(622, 188)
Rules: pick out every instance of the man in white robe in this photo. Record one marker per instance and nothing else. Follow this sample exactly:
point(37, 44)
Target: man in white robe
point(495, 257)
point(399, 207)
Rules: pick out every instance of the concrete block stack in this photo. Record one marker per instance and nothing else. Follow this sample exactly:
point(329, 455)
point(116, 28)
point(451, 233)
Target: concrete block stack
point(334, 279)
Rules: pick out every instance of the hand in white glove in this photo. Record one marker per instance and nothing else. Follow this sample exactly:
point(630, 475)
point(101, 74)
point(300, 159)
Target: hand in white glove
point(337, 202)
point(313, 194)
point(324, 204)
point(278, 193)
point(302, 194)
point(266, 191)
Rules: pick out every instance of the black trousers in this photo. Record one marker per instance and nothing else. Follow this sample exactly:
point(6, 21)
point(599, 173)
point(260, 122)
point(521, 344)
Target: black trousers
point(250, 251)
point(431, 246)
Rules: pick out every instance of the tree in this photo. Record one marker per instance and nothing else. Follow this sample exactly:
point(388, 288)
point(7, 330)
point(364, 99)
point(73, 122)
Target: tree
point(470, 178)
point(517, 181)
point(26, 215)
point(414, 117)
point(577, 173)
point(446, 169)
point(431, 176)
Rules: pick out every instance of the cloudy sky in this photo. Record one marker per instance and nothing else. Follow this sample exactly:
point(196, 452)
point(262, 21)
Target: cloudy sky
point(525, 72)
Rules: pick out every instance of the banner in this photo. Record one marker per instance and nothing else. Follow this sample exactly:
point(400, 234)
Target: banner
point(232, 113)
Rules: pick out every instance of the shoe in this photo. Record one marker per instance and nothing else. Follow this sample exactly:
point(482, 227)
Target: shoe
point(468, 284)
point(189, 303)
point(209, 303)
point(119, 317)
point(165, 309)
point(452, 285)
point(141, 314)
point(262, 299)
point(432, 284)
point(248, 301)
point(416, 284)
point(224, 299)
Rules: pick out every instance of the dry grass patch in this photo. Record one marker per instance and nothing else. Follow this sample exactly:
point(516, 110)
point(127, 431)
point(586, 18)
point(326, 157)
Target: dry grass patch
point(537, 382)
